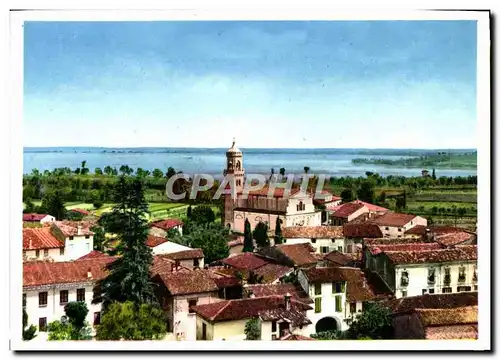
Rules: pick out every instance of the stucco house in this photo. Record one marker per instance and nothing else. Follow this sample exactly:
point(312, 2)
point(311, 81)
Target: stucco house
point(322, 238)
point(38, 218)
point(396, 224)
point(186, 256)
point(235, 245)
point(161, 227)
point(420, 268)
point(278, 316)
point(338, 294)
point(346, 212)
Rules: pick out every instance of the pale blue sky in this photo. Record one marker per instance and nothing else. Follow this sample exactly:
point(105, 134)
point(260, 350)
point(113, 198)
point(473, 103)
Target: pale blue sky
point(377, 84)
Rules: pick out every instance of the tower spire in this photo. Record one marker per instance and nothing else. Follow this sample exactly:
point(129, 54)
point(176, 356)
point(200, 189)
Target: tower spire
point(234, 141)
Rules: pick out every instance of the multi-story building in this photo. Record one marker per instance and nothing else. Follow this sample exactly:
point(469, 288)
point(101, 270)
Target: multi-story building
point(323, 239)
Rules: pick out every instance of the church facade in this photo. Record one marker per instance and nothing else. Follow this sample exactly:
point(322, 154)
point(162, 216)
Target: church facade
point(296, 209)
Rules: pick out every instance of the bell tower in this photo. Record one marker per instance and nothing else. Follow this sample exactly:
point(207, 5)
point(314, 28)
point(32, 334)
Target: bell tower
point(234, 166)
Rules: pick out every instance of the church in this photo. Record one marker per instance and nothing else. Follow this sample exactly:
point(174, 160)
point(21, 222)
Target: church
point(295, 210)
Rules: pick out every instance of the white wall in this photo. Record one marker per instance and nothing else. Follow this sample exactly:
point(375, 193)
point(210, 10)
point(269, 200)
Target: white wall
point(169, 247)
point(303, 219)
point(54, 310)
point(418, 277)
point(47, 219)
point(395, 231)
point(54, 254)
point(328, 306)
point(77, 247)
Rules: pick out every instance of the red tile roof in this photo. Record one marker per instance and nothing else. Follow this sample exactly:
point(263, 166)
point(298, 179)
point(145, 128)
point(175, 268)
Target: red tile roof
point(262, 290)
point(371, 207)
point(346, 210)
point(451, 316)
point(92, 255)
point(39, 273)
point(452, 332)
point(366, 230)
point(394, 241)
point(33, 217)
point(272, 272)
point(70, 228)
point(236, 241)
point(153, 241)
point(393, 219)
point(338, 258)
point(186, 254)
point(377, 249)
point(163, 264)
point(432, 301)
point(417, 230)
point(184, 283)
point(357, 288)
point(244, 308)
point(81, 211)
point(454, 238)
point(299, 254)
point(40, 238)
point(312, 232)
point(462, 253)
point(245, 261)
point(166, 224)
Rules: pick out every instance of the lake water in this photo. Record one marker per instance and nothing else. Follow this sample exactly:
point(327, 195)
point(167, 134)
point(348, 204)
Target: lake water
point(333, 162)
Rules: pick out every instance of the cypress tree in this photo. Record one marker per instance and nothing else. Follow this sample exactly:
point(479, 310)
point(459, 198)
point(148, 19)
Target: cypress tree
point(129, 276)
point(278, 238)
point(189, 212)
point(248, 241)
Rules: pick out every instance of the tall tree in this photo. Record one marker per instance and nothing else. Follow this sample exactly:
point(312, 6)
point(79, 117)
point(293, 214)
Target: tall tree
point(366, 191)
point(375, 322)
point(129, 276)
point(203, 214)
point(211, 238)
point(29, 333)
point(433, 174)
point(53, 204)
point(282, 171)
point(73, 325)
point(189, 212)
point(170, 172)
point(108, 170)
point(98, 171)
point(306, 169)
point(157, 173)
point(260, 235)
point(252, 329)
point(130, 321)
point(278, 237)
point(347, 195)
point(99, 237)
point(248, 240)
point(84, 170)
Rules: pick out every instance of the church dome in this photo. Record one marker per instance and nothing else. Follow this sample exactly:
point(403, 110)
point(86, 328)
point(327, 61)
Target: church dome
point(233, 150)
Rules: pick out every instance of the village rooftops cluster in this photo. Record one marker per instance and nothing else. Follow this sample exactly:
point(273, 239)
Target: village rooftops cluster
point(459, 253)
point(40, 238)
point(312, 232)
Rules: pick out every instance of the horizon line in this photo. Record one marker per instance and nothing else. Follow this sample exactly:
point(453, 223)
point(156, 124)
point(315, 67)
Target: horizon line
point(250, 148)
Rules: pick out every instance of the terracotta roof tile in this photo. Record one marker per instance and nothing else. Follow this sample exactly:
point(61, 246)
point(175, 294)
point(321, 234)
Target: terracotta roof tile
point(452, 332)
point(40, 238)
point(454, 238)
point(244, 308)
point(371, 207)
point(346, 210)
point(92, 255)
point(378, 248)
point(192, 282)
point(162, 264)
point(312, 232)
point(33, 217)
point(393, 219)
point(272, 272)
point(357, 288)
point(262, 290)
point(186, 254)
point(417, 230)
point(432, 301)
point(338, 258)
point(395, 241)
point(462, 253)
point(451, 316)
point(166, 224)
point(153, 241)
point(299, 254)
point(245, 261)
point(70, 228)
point(365, 230)
point(296, 316)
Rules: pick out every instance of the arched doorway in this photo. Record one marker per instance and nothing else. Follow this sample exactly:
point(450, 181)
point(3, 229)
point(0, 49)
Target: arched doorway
point(326, 324)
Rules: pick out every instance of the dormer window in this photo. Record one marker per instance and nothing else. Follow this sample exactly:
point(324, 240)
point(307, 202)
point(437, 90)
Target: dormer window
point(404, 278)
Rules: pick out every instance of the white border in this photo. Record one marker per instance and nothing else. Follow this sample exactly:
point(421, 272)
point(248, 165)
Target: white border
point(250, 13)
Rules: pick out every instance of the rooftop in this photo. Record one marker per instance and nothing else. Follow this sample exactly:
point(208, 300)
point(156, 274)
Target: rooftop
point(92, 255)
point(295, 337)
point(393, 219)
point(312, 232)
point(299, 254)
point(346, 210)
point(184, 283)
point(371, 207)
point(40, 238)
point(245, 261)
point(166, 224)
point(153, 241)
point(363, 230)
point(459, 253)
point(74, 228)
point(379, 248)
point(432, 301)
point(33, 217)
point(454, 238)
point(261, 290)
point(338, 258)
point(81, 211)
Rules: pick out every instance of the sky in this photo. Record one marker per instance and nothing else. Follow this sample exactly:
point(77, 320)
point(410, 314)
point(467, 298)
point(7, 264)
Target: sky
point(335, 84)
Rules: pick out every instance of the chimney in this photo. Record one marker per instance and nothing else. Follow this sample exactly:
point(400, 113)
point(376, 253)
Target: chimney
point(287, 301)
point(172, 268)
point(79, 230)
point(89, 274)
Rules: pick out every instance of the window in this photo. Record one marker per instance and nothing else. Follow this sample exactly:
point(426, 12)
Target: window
point(204, 331)
point(42, 324)
point(196, 262)
point(42, 299)
point(87, 236)
point(399, 229)
point(474, 274)
point(61, 251)
point(87, 246)
point(475, 287)
point(325, 249)
point(340, 249)
point(273, 326)
point(71, 237)
point(97, 293)
point(192, 303)
point(463, 288)
point(97, 318)
point(24, 254)
point(338, 287)
point(24, 300)
point(424, 291)
point(63, 296)
point(45, 252)
point(431, 291)
point(447, 290)
point(274, 337)
point(387, 227)
point(431, 276)
point(317, 289)
point(352, 307)
point(404, 278)
point(37, 253)
point(313, 241)
point(399, 236)
point(404, 293)
point(461, 274)
point(338, 303)
point(447, 276)
point(80, 294)
point(317, 305)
